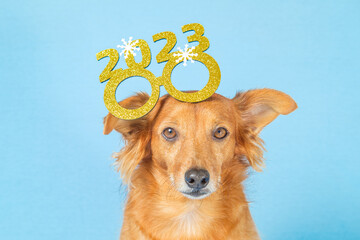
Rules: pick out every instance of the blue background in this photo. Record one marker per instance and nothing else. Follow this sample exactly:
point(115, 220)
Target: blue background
point(56, 177)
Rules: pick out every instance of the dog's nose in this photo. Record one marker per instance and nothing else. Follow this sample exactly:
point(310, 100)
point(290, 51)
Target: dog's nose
point(197, 178)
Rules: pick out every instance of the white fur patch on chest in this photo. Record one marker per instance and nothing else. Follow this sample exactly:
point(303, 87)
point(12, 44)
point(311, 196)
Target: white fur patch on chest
point(188, 222)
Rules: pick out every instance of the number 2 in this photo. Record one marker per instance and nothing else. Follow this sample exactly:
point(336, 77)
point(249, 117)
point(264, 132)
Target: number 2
point(164, 55)
point(114, 58)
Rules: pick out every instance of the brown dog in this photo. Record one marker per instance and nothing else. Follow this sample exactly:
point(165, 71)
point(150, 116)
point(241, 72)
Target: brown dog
point(185, 162)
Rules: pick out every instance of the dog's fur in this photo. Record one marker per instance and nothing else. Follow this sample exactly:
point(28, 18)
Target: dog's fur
point(154, 168)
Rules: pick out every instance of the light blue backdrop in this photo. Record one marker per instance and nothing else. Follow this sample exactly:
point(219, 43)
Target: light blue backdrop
point(56, 178)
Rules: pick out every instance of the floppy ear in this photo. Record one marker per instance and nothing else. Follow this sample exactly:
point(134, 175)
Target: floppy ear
point(136, 134)
point(259, 107)
point(127, 127)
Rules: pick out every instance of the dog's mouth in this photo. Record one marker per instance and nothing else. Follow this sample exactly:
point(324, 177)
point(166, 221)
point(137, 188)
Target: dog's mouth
point(196, 194)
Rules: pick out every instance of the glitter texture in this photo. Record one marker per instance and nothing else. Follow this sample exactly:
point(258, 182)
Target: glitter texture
point(114, 58)
point(138, 69)
point(128, 114)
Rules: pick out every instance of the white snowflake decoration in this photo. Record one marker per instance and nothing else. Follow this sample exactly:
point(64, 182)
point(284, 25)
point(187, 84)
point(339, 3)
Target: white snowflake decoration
point(185, 55)
point(128, 47)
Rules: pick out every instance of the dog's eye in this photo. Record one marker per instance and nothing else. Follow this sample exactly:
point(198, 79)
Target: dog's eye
point(220, 133)
point(169, 133)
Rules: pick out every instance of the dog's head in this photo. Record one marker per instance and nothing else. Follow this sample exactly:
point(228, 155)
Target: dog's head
point(197, 146)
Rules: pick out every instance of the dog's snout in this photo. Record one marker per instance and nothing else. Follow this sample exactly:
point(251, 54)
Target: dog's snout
point(197, 178)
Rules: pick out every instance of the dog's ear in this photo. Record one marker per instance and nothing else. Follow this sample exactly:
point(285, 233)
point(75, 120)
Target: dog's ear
point(136, 133)
point(127, 128)
point(260, 107)
point(257, 108)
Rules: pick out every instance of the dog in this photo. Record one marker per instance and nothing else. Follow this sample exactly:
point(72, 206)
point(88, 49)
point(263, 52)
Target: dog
point(184, 164)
